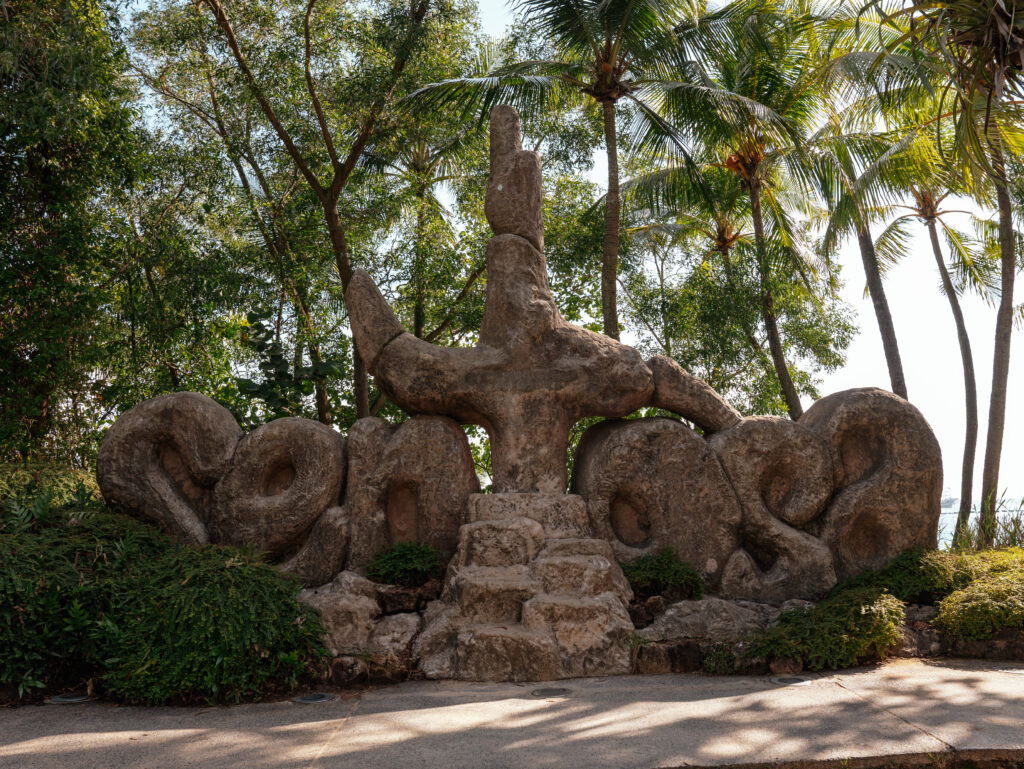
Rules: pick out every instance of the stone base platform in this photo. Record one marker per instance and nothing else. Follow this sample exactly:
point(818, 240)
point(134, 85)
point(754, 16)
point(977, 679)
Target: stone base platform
point(529, 596)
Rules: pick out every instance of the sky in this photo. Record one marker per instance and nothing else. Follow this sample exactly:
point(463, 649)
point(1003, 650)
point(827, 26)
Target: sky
point(927, 340)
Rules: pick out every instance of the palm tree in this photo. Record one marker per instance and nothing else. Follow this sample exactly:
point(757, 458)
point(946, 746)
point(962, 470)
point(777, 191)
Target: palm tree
point(748, 101)
point(928, 196)
point(976, 47)
point(604, 51)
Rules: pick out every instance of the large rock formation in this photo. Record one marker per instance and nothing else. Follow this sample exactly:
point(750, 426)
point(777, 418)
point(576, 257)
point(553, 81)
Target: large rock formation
point(888, 469)
point(162, 458)
point(283, 476)
point(643, 478)
point(407, 483)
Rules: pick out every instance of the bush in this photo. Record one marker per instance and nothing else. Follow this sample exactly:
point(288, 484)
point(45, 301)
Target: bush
point(99, 595)
point(64, 486)
point(838, 632)
point(214, 624)
point(408, 564)
point(720, 660)
point(991, 602)
point(663, 573)
point(927, 576)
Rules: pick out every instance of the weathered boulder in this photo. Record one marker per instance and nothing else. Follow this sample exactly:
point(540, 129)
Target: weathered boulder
point(393, 634)
point(514, 191)
point(323, 554)
point(712, 619)
point(408, 483)
point(348, 608)
point(592, 634)
point(654, 483)
point(782, 474)
point(162, 458)
point(888, 477)
point(283, 475)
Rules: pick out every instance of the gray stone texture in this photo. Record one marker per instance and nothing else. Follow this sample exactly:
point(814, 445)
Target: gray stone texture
point(408, 483)
point(888, 469)
point(711, 619)
point(283, 476)
point(782, 473)
point(161, 459)
point(654, 483)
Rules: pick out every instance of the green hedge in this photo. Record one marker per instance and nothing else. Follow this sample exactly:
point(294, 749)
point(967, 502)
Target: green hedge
point(839, 632)
point(98, 595)
point(991, 602)
point(663, 573)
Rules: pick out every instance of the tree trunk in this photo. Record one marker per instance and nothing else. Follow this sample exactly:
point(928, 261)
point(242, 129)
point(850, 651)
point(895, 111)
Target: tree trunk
point(612, 206)
point(771, 323)
point(970, 391)
point(419, 313)
point(1001, 355)
point(882, 314)
point(339, 242)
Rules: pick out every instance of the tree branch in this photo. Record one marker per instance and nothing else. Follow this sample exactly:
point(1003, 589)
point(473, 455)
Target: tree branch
point(311, 87)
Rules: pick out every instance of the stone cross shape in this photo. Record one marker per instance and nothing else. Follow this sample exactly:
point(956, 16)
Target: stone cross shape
point(533, 375)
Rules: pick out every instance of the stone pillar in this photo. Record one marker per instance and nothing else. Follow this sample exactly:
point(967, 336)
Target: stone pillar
point(530, 596)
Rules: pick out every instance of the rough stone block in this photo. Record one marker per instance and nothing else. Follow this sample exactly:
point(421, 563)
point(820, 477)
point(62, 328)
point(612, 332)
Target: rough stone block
point(561, 515)
point(488, 594)
point(593, 634)
point(506, 653)
point(505, 542)
point(582, 575)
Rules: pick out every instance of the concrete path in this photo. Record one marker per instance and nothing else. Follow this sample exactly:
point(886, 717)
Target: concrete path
point(923, 712)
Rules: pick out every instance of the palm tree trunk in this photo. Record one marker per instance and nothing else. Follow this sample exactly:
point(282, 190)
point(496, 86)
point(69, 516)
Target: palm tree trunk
point(882, 314)
point(970, 391)
point(612, 205)
point(419, 314)
point(768, 314)
point(1001, 355)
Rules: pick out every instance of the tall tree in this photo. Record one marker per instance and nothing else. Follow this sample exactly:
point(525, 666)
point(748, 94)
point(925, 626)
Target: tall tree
point(66, 133)
point(606, 51)
point(977, 48)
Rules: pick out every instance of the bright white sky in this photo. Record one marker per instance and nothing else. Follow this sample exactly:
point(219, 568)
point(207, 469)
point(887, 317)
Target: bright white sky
point(927, 340)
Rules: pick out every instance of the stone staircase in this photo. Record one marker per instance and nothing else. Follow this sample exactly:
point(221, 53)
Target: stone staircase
point(529, 596)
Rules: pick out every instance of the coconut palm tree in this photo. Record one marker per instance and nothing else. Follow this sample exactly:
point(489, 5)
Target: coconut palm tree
point(602, 51)
point(928, 197)
point(976, 49)
point(747, 101)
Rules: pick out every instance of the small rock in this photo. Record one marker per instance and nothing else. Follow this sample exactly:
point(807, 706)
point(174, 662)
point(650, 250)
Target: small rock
point(639, 614)
point(786, 666)
point(395, 599)
point(393, 634)
point(685, 656)
point(656, 605)
point(713, 619)
point(796, 604)
point(652, 659)
point(919, 613)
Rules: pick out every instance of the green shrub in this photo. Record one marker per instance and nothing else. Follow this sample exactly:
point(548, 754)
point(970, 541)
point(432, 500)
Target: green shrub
point(838, 632)
point(720, 660)
point(927, 576)
point(64, 486)
point(214, 624)
point(663, 573)
point(89, 595)
point(991, 602)
point(407, 563)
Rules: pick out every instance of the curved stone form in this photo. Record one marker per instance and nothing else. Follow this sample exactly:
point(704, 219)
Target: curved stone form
point(533, 375)
point(162, 458)
point(782, 473)
point(284, 474)
point(888, 477)
point(409, 483)
point(678, 391)
point(323, 553)
point(653, 483)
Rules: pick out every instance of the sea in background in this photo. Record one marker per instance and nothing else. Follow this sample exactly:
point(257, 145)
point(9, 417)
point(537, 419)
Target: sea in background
point(1005, 513)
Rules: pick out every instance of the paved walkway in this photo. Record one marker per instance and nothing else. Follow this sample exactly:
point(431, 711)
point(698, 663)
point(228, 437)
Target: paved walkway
point(916, 710)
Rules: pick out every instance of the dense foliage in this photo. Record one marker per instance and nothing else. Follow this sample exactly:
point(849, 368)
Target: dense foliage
point(409, 564)
point(663, 573)
point(93, 596)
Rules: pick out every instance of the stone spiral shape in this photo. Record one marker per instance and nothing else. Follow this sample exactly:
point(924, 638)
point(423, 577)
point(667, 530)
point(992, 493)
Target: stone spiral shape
point(162, 458)
point(782, 473)
point(888, 477)
point(283, 476)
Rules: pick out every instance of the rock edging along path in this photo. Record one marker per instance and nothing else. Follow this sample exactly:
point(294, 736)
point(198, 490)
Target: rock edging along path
point(905, 713)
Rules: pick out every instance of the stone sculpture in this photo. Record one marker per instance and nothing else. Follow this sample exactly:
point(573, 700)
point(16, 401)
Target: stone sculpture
point(771, 512)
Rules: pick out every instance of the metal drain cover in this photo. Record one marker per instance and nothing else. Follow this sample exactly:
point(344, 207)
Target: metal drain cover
point(313, 699)
point(791, 680)
point(70, 698)
point(552, 692)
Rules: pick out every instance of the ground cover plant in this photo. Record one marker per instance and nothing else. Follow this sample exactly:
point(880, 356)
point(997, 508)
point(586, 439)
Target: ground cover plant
point(97, 598)
point(976, 593)
point(663, 573)
point(408, 564)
